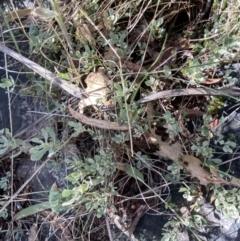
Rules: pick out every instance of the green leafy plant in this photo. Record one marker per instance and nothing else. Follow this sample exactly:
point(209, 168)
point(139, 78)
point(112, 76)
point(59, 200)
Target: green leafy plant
point(172, 126)
point(7, 142)
point(226, 201)
point(7, 82)
point(50, 145)
point(156, 28)
point(4, 181)
point(170, 230)
point(174, 171)
point(89, 185)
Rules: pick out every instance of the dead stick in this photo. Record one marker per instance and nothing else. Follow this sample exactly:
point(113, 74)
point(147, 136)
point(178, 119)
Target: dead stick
point(102, 124)
point(190, 91)
point(46, 74)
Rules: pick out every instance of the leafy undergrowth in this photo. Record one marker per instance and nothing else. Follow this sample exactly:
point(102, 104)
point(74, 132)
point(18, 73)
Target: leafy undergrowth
point(142, 144)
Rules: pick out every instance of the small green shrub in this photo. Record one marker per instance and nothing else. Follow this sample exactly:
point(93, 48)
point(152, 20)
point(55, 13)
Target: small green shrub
point(89, 183)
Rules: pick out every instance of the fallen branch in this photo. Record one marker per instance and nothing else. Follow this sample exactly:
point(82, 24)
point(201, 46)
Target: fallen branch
point(46, 74)
point(187, 92)
point(102, 124)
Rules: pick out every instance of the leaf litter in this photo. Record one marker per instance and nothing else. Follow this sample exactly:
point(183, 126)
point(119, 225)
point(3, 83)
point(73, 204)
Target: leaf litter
point(192, 164)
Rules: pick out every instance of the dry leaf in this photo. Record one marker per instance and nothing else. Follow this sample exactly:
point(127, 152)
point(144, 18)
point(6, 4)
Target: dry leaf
point(194, 166)
point(113, 54)
point(97, 83)
point(190, 163)
point(83, 33)
point(18, 14)
point(214, 123)
point(167, 57)
point(211, 81)
point(106, 24)
point(32, 236)
point(133, 67)
point(172, 152)
point(43, 13)
point(24, 195)
point(65, 226)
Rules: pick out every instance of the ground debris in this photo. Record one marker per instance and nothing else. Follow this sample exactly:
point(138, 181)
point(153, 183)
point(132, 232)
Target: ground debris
point(194, 166)
point(33, 233)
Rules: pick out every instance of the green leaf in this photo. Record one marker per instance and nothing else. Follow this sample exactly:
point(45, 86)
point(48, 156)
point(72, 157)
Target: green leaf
point(167, 71)
point(227, 149)
point(69, 202)
point(131, 171)
point(32, 210)
point(45, 135)
point(37, 154)
point(83, 188)
point(54, 198)
point(3, 150)
point(216, 160)
point(6, 83)
point(64, 76)
point(36, 140)
point(66, 193)
point(183, 189)
point(52, 134)
point(88, 205)
point(90, 160)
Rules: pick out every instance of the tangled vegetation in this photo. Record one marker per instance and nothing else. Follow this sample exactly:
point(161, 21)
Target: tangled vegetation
point(145, 119)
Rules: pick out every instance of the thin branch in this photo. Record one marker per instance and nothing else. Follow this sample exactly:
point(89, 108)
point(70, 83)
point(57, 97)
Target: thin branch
point(48, 75)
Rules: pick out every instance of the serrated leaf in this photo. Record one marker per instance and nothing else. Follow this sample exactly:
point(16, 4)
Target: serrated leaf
point(32, 210)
